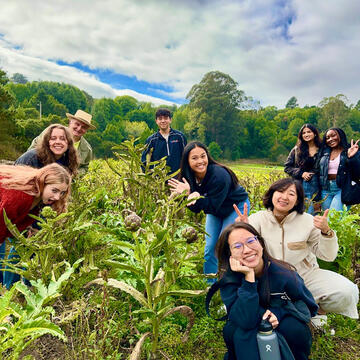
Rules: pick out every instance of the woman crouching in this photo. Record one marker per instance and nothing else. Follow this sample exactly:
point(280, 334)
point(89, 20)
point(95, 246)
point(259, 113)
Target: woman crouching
point(255, 287)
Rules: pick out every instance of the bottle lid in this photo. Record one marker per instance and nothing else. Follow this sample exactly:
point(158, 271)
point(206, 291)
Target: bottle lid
point(265, 326)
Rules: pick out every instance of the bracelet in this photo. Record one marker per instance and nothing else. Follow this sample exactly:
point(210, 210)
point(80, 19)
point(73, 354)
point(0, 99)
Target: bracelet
point(328, 233)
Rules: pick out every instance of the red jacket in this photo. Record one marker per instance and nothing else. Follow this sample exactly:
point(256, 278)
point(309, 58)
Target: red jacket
point(17, 206)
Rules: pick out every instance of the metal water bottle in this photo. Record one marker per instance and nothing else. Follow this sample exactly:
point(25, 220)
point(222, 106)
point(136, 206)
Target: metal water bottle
point(268, 343)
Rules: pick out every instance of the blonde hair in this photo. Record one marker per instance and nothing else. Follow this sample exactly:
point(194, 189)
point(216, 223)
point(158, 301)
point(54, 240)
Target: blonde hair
point(33, 181)
point(46, 156)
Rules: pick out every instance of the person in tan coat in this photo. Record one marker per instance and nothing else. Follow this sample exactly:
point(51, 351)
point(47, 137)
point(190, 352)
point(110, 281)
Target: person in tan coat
point(299, 239)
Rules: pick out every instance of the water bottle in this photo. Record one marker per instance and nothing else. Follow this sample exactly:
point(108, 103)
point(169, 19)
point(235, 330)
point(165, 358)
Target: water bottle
point(268, 343)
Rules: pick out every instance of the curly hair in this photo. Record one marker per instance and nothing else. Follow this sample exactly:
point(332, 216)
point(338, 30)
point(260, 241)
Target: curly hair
point(32, 181)
point(46, 156)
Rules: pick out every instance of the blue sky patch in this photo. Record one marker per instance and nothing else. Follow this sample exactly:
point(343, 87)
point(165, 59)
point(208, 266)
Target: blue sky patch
point(120, 82)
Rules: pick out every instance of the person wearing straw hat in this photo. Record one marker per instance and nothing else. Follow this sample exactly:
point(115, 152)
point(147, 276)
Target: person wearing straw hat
point(79, 124)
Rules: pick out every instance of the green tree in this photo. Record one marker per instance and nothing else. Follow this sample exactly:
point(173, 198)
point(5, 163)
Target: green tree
point(334, 112)
point(194, 127)
point(7, 122)
point(180, 118)
point(104, 110)
point(127, 103)
point(215, 150)
point(354, 119)
point(217, 95)
point(114, 132)
point(292, 103)
point(18, 78)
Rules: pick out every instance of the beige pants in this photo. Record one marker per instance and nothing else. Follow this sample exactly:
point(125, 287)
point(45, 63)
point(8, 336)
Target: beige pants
point(333, 292)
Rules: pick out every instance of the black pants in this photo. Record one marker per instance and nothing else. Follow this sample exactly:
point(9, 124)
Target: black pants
point(242, 344)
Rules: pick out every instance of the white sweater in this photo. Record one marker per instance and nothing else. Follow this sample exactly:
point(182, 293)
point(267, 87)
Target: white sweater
point(295, 239)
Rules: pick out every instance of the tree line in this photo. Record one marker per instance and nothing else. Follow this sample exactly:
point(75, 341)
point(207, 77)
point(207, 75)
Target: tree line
point(218, 114)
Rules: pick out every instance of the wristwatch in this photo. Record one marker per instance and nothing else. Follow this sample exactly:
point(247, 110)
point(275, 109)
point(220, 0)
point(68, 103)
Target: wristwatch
point(328, 233)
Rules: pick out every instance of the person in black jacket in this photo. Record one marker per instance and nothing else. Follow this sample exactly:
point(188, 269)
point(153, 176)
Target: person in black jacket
point(255, 287)
point(202, 176)
point(166, 142)
point(338, 160)
point(302, 162)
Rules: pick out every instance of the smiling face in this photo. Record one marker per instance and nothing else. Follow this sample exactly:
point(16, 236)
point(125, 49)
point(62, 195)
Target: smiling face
point(58, 143)
point(332, 139)
point(198, 162)
point(78, 129)
point(163, 122)
point(307, 135)
point(285, 200)
point(250, 252)
point(53, 193)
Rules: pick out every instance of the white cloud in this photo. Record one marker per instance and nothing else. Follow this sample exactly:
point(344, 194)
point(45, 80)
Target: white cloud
point(38, 69)
point(175, 43)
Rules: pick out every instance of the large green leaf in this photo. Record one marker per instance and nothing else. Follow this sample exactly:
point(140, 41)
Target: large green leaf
point(137, 295)
point(123, 266)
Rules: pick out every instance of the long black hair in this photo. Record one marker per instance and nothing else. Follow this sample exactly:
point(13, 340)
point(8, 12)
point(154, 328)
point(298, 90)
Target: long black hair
point(343, 140)
point(188, 174)
point(303, 146)
point(223, 254)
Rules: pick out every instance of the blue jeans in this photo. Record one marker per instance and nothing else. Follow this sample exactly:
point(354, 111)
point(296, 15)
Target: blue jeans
point(310, 189)
point(8, 278)
point(213, 227)
point(333, 201)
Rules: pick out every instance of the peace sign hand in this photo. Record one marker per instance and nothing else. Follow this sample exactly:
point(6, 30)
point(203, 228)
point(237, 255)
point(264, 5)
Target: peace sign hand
point(320, 222)
point(242, 217)
point(353, 149)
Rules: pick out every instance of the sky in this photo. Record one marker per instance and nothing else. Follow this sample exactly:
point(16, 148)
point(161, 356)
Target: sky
point(156, 50)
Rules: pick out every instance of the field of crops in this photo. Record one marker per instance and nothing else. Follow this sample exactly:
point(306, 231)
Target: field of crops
point(120, 275)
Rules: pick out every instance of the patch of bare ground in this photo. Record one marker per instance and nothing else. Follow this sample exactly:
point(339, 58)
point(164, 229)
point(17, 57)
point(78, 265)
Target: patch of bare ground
point(46, 347)
point(348, 346)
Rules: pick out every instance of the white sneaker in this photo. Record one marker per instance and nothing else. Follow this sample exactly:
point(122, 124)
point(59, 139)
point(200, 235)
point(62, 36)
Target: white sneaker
point(319, 321)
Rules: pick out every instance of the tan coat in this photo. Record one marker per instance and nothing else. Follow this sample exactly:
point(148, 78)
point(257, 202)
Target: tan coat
point(295, 239)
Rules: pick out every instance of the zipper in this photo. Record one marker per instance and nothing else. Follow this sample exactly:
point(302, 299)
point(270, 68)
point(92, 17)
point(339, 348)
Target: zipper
point(167, 146)
point(282, 242)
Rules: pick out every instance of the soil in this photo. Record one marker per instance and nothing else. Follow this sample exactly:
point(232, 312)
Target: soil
point(46, 347)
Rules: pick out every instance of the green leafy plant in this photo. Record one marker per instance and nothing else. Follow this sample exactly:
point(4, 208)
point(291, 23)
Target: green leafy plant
point(157, 253)
point(21, 324)
point(42, 255)
point(346, 225)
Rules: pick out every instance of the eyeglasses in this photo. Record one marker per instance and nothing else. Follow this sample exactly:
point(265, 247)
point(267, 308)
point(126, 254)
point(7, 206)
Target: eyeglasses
point(250, 242)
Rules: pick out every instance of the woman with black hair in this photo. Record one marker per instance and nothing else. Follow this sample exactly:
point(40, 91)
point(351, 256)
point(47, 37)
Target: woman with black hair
point(302, 162)
point(219, 188)
point(299, 239)
point(338, 161)
point(255, 286)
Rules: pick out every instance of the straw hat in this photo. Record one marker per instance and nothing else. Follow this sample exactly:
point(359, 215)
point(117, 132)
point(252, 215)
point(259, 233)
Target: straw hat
point(82, 116)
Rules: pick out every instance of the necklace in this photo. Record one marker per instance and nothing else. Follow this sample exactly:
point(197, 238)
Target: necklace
point(334, 154)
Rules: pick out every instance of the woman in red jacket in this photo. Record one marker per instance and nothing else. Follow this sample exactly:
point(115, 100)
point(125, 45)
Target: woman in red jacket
point(24, 190)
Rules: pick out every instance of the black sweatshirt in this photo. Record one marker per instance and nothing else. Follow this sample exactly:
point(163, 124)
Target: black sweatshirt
point(219, 193)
